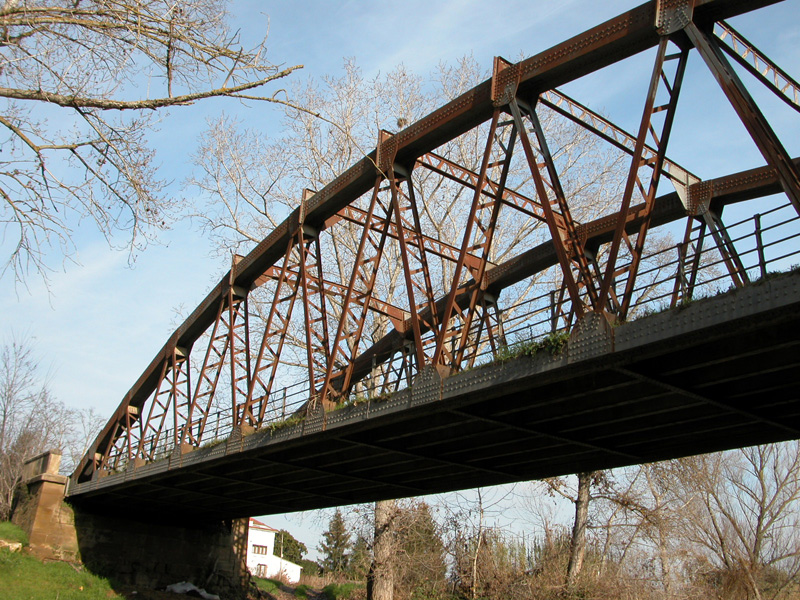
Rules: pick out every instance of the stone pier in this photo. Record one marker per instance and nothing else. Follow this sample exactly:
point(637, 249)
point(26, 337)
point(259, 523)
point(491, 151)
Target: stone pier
point(137, 549)
point(39, 509)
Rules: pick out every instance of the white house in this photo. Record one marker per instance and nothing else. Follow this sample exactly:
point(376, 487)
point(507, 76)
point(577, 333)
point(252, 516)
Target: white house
point(261, 559)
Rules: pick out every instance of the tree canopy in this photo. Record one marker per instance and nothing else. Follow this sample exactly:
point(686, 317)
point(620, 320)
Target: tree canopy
point(81, 85)
point(287, 547)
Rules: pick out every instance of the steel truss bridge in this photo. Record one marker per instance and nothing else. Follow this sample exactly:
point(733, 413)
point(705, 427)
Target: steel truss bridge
point(361, 351)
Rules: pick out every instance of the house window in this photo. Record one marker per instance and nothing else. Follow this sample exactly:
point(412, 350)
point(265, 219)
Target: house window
point(260, 549)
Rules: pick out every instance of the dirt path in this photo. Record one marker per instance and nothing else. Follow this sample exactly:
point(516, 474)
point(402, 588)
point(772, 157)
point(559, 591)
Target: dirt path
point(286, 592)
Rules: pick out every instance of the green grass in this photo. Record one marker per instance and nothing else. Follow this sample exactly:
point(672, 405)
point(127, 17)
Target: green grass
point(301, 591)
point(267, 585)
point(291, 421)
point(339, 591)
point(12, 533)
point(24, 577)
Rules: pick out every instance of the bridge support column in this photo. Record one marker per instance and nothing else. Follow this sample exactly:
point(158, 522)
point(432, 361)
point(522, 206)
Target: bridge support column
point(40, 510)
point(141, 550)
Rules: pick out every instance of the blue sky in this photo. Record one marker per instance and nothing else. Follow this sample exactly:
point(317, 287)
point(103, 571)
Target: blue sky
point(102, 320)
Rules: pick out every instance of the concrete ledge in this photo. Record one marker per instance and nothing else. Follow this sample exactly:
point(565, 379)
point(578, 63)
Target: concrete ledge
point(60, 479)
point(46, 462)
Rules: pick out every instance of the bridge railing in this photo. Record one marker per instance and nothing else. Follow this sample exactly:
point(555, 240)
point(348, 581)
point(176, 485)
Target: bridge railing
point(216, 427)
point(284, 334)
point(766, 243)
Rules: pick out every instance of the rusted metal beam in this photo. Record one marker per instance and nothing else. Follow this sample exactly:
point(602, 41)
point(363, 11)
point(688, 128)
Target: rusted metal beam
point(658, 81)
point(738, 187)
point(613, 41)
point(358, 295)
point(275, 331)
point(563, 232)
point(469, 179)
point(757, 126)
point(576, 112)
point(466, 243)
point(610, 42)
point(778, 81)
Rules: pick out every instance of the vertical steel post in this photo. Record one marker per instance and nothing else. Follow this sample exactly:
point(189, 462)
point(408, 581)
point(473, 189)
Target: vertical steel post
point(275, 331)
point(633, 182)
point(561, 226)
point(762, 263)
point(356, 302)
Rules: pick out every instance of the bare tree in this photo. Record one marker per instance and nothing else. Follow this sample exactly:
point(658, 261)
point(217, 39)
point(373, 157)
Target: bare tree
point(408, 554)
point(581, 521)
point(21, 393)
point(81, 84)
point(32, 420)
point(590, 488)
point(381, 576)
point(742, 518)
point(720, 525)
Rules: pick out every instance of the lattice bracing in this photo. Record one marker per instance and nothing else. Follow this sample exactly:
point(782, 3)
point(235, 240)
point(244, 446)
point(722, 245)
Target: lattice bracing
point(427, 258)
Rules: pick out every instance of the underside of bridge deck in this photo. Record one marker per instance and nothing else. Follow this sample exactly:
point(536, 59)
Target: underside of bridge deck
point(719, 373)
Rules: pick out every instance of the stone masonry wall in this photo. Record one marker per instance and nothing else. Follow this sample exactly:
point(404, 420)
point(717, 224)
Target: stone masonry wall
point(156, 554)
point(40, 510)
point(135, 549)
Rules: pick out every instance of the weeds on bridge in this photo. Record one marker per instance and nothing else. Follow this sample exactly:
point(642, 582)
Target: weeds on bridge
point(552, 344)
point(290, 422)
point(361, 399)
point(213, 443)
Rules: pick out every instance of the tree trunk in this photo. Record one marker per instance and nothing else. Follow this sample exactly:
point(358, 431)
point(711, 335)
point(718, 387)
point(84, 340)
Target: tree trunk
point(477, 548)
point(380, 580)
point(577, 549)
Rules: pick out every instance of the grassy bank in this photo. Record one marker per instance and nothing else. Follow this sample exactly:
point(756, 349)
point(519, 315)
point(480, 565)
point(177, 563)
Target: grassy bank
point(24, 577)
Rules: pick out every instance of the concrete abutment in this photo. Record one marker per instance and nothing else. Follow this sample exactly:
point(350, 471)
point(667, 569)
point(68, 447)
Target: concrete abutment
point(141, 550)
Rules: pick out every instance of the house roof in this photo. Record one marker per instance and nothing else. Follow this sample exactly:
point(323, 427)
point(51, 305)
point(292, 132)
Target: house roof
point(256, 524)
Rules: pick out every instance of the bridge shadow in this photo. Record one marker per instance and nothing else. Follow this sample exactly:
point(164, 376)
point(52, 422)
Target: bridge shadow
point(718, 373)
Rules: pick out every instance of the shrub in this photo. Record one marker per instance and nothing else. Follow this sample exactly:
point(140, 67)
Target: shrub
point(337, 591)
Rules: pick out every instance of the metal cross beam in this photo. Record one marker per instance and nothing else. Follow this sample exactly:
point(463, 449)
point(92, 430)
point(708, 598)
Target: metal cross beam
point(413, 295)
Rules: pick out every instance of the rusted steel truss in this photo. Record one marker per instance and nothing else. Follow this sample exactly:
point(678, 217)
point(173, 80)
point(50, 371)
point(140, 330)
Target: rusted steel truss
point(365, 285)
point(746, 54)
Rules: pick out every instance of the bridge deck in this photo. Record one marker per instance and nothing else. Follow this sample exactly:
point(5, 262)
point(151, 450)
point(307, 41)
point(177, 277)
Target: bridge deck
point(719, 373)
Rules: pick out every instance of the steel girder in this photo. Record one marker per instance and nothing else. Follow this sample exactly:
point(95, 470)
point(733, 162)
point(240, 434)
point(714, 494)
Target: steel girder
point(444, 325)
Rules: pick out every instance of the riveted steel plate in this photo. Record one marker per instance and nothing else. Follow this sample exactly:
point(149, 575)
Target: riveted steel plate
point(673, 15)
point(315, 418)
point(592, 336)
point(427, 386)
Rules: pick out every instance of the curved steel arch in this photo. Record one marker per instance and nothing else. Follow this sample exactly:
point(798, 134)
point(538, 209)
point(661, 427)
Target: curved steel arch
point(171, 405)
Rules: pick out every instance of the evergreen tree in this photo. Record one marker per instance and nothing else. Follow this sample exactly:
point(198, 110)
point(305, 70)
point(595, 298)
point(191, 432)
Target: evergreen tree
point(310, 567)
point(360, 558)
point(335, 545)
point(289, 548)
